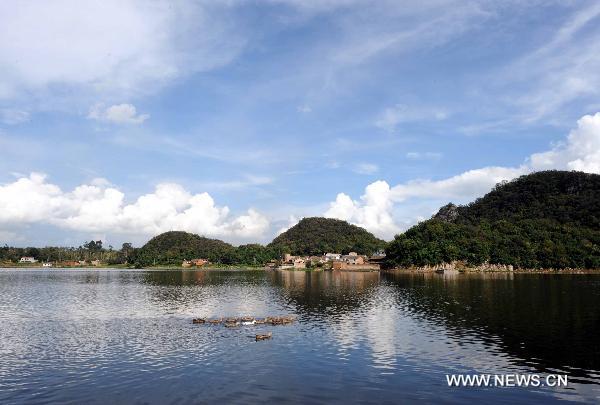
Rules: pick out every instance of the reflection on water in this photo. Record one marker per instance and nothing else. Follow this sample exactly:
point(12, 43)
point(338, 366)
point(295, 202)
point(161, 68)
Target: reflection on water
point(126, 336)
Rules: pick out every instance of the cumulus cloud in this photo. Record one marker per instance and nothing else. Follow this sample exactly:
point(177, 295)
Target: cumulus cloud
point(580, 151)
point(292, 220)
point(374, 211)
point(117, 114)
point(101, 208)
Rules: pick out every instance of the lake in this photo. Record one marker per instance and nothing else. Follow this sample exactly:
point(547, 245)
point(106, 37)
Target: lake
point(125, 336)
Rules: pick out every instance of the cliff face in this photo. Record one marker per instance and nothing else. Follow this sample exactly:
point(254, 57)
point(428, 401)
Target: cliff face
point(448, 213)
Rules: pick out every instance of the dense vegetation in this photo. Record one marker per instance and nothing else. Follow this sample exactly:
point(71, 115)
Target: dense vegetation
point(170, 248)
point(92, 250)
point(546, 219)
point(315, 236)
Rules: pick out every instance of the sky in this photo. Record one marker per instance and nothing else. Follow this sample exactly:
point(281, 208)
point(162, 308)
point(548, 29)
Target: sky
point(232, 119)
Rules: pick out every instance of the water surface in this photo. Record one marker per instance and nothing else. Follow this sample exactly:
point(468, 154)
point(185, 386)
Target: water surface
point(122, 336)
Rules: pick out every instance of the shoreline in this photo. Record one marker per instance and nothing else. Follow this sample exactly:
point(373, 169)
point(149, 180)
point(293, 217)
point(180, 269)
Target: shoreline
point(407, 270)
point(477, 271)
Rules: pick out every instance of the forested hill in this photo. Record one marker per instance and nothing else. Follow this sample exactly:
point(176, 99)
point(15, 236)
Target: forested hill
point(547, 219)
point(172, 247)
point(315, 236)
point(563, 197)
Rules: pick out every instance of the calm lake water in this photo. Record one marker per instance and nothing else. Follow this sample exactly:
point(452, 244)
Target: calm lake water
point(115, 336)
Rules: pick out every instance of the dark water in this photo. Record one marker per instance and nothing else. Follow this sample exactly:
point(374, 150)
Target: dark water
point(113, 336)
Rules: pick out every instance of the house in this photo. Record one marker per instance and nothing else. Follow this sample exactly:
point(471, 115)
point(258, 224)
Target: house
point(70, 264)
point(353, 258)
point(199, 262)
point(47, 264)
point(95, 262)
point(299, 263)
point(27, 259)
point(186, 264)
point(330, 257)
point(83, 263)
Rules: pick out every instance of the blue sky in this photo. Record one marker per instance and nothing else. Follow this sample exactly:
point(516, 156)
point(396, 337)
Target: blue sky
point(120, 120)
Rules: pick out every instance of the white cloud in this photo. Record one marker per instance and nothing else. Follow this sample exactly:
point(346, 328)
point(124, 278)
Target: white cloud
point(372, 212)
point(366, 168)
point(292, 220)
point(117, 114)
point(469, 184)
point(111, 46)
point(11, 116)
point(391, 117)
point(580, 151)
point(101, 208)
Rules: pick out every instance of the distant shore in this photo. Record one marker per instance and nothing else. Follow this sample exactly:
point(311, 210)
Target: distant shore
point(414, 270)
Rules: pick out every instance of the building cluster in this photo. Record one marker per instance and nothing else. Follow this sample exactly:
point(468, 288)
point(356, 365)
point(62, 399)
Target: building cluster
point(331, 261)
point(68, 263)
point(194, 263)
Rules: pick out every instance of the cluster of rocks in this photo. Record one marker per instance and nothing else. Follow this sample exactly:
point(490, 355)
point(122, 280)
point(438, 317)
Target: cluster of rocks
point(457, 266)
point(232, 322)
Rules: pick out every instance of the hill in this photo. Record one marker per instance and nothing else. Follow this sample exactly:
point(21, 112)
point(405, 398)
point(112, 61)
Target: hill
point(315, 236)
point(547, 219)
point(173, 247)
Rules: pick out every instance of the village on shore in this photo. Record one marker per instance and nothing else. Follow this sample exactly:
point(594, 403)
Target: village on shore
point(328, 261)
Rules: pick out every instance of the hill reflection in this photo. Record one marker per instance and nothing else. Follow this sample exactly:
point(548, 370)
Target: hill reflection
point(549, 322)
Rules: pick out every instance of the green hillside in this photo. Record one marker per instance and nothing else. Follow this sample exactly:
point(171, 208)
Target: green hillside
point(315, 236)
point(171, 248)
point(547, 219)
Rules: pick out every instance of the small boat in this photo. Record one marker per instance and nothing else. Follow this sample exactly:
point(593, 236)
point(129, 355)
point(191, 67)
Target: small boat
point(231, 324)
point(198, 320)
point(260, 321)
point(265, 336)
point(215, 321)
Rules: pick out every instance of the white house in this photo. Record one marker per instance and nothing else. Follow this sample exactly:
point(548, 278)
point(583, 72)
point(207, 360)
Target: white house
point(27, 259)
point(47, 264)
point(330, 257)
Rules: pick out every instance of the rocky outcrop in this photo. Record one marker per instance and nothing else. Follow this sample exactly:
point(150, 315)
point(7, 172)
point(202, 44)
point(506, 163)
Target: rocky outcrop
point(448, 213)
point(461, 266)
